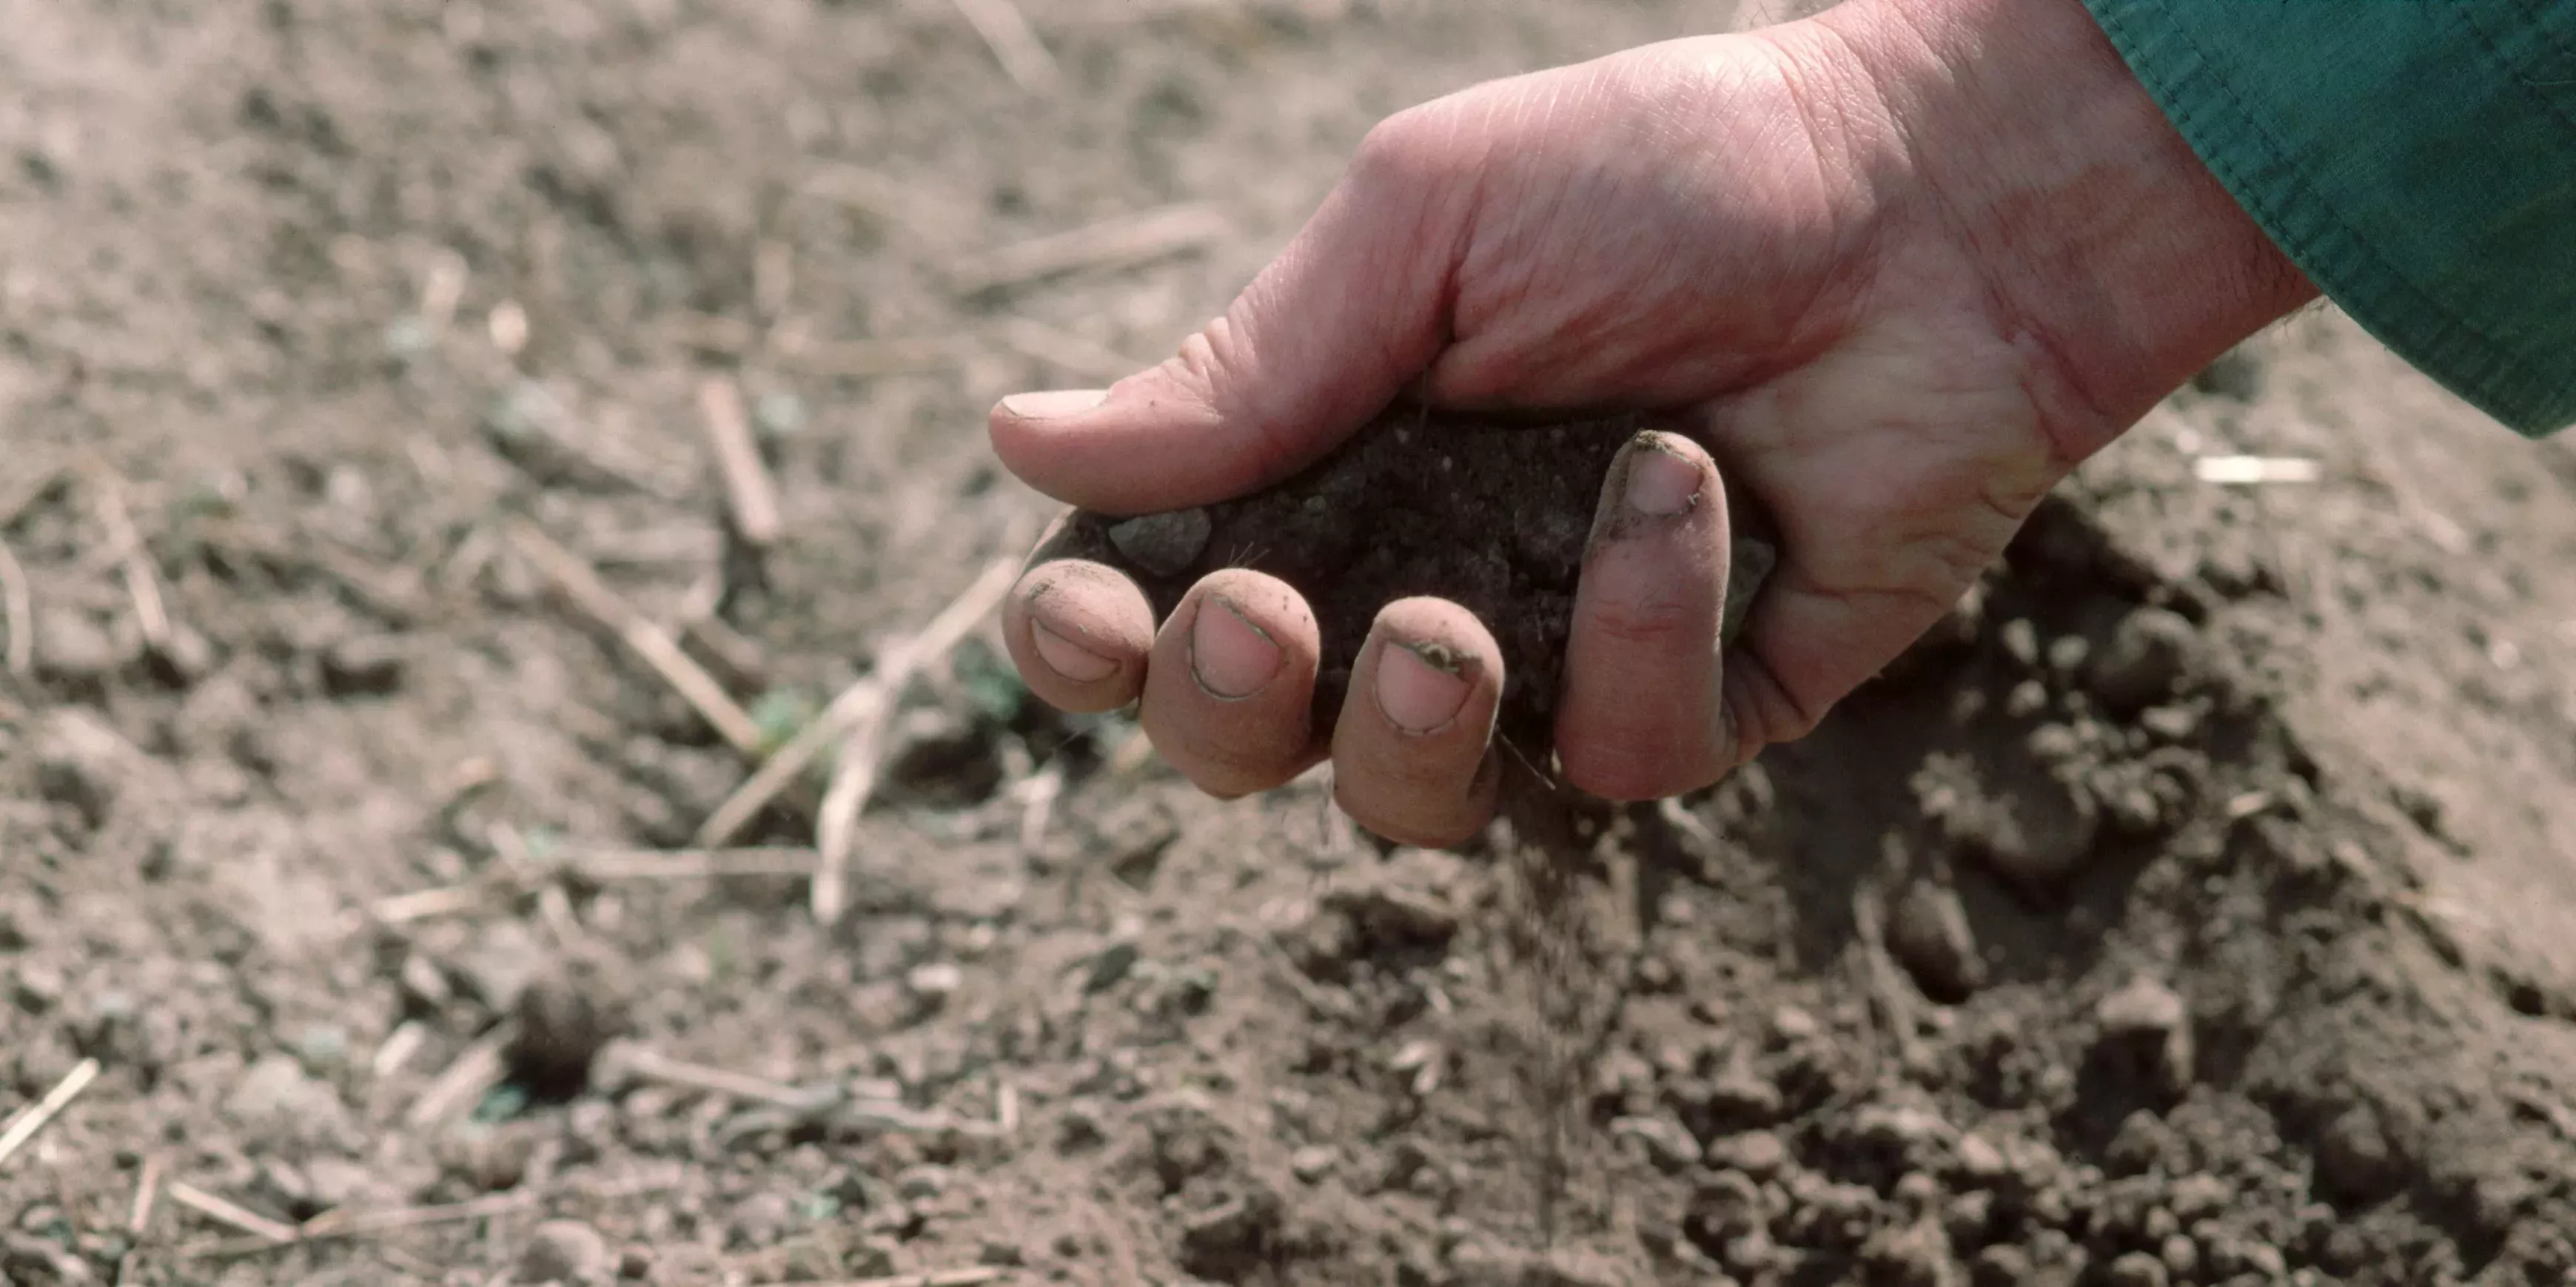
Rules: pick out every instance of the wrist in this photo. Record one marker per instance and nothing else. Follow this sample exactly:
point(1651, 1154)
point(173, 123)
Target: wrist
point(2103, 238)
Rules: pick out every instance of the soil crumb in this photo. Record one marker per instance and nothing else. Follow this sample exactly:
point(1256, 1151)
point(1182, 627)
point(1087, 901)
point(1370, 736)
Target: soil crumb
point(1490, 512)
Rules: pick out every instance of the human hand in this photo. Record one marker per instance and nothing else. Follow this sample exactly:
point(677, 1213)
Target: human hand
point(1900, 267)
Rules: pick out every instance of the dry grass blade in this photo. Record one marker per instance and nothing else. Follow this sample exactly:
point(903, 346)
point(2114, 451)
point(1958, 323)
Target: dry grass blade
point(226, 1213)
point(693, 864)
point(473, 1073)
point(1077, 355)
point(1006, 32)
point(349, 1224)
point(751, 495)
point(868, 699)
point(936, 1278)
point(647, 640)
point(346, 1223)
point(445, 900)
point(599, 868)
point(404, 1042)
point(854, 778)
point(17, 615)
point(24, 1126)
point(655, 1067)
point(1135, 239)
point(142, 583)
point(18, 500)
point(147, 1194)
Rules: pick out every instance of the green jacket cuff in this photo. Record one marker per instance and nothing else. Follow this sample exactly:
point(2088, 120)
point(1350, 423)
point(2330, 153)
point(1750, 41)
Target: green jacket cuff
point(2415, 158)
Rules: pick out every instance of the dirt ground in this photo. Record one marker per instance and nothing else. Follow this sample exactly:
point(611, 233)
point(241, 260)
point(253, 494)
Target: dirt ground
point(2196, 907)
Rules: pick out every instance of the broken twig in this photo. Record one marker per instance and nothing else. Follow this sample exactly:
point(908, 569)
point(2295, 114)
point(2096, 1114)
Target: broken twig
point(147, 1194)
point(142, 583)
point(652, 1066)
point(867, 699)
point(1133, 239)
point(18, 603)
point(647, 640)
point(2255, 471)
point(752, 497)
point(473, 1074)
point(226, 1213)
point(937, 1278)
point(344, 1223)
point(854, 777)
point(598, 868)
point(1006, 32)
point(400, 1045)
point(24, 1126)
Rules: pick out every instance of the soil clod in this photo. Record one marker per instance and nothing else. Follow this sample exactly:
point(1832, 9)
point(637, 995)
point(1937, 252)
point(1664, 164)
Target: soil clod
point(568, 1252)
point(1489, 513)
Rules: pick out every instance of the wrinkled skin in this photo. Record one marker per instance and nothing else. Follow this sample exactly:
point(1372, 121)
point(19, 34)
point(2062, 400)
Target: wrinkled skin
point(1900, 268)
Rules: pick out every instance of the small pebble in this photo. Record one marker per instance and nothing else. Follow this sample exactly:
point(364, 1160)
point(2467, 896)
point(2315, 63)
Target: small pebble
point(73, 648)
point(1760, 1154)
point(922, 1183)
point(561, 1031)
point(2150, 1017)
point(363, 666)
point(1791, 1024)
point(2181, 1256)
point(82, 764)
point(1980, 1160)
point(2001, 1265)
point(564, 1251)
point(936, 982)
point(1313, 1162)
point(1110, 966)
point(1227, 1240)
point(2151, 651)
point(2020, 640)
point(761, 1219)
point(1667, 1145)
point(1928, 933)
point(1164, 544)
point(2137, 1269)
point(2066, 654)
point(2354, 1160)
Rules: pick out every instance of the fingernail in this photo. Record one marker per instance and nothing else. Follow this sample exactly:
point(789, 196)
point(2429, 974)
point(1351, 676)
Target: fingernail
point(1661, 483)
point(1067, 658)
point(1052, 404)
point(1230, 656)
point(1419, 686)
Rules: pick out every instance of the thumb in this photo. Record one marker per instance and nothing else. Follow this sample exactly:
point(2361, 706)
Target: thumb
point(1324, 338)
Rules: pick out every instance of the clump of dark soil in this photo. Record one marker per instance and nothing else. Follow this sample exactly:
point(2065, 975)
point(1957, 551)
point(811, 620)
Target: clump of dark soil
point(1489, 512)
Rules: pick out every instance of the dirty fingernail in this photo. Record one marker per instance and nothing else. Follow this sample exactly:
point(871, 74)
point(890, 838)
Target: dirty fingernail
point(1661, 483)
point(1069, 659)
point(1230, 656)
point(1052, 404)
point(1419, 686)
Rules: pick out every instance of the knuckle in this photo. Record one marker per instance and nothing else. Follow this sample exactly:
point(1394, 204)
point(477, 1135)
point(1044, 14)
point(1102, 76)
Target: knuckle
point(1656, 624)
point(1408, 147)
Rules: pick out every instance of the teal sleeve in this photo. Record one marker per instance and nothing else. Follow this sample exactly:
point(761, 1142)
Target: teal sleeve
point(2416, 158)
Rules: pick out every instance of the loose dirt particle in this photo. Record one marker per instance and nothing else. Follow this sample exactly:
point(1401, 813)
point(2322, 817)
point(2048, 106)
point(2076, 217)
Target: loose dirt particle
point(2150, 651)
point(564, 1251)
point(1928, 933)
point(561, 1028)
point(2147, 1024)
